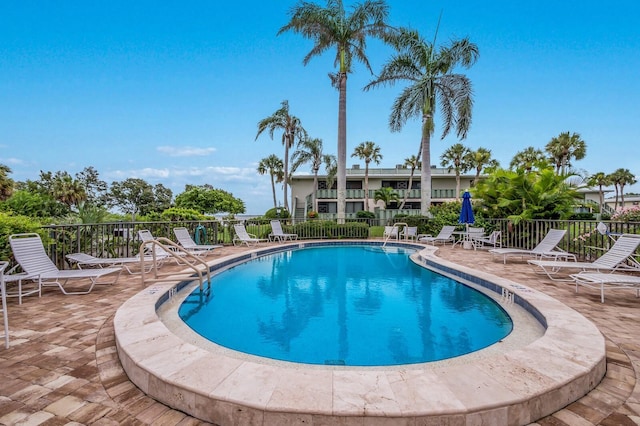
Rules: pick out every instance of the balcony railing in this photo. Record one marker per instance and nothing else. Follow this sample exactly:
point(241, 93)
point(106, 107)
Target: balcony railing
point(332, 194)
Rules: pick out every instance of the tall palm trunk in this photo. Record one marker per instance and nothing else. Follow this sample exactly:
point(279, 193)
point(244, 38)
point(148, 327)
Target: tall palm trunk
point(315, 190)
point(366, 186)
point(601, 197)
point(425, 171)
point(342, 148)
point(285, 175)
point(413, 170)
point(273, 190)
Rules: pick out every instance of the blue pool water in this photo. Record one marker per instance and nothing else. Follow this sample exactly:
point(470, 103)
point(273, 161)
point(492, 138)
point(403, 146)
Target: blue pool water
point(344, 305)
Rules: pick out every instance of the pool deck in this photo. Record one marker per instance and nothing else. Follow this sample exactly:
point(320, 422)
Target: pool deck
point(62, 366)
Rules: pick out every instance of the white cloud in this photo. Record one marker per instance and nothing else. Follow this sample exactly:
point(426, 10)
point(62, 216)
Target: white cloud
point(186, 151)
point(12, 161)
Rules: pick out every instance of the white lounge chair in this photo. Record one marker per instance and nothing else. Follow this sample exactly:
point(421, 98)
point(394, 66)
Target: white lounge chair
point(445, 235)
point(618, 257)
point(547, 248)
point(277, 234)
point(494, 240)
point(84, 260)
point(184, 239)
point(29, 252)
point(602, 281)
point(162, 252)
point(243, 237)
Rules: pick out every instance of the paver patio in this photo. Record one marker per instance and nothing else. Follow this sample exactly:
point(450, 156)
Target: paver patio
point(62, 367)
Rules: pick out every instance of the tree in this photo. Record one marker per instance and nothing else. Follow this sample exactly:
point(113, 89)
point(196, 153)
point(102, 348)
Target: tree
point(67, 190)
point(35, 204)
point(600, 179)
point(527, 159)
point(310, 151)
point(292, 130)
point(456, 157)
point(136, 196)
point(519, 195)
point(429, 71)
point(620, 178)
point(274, 166)
point(563, 148)
point(331, 27)
point(94, 188)
point(209, 200)
point(413, 163)
point(480, 159)
point(367, 151)
point(6, 183)
point(385, 194)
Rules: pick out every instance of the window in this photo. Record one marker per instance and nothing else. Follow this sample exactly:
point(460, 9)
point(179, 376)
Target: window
point(327, 207)
point(354, 207)
point(397, 184)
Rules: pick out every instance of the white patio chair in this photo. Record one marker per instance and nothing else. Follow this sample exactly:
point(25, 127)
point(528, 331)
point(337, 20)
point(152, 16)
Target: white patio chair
point(607, 281)
point(444, 236)
point(243, 237)
point(277, 234)
point(390, 232)
point(494, 240)
point(184, 239)
point(29, 252)
point(409, 233)
point(618, 257)
point(547, 248)
point(84, 260)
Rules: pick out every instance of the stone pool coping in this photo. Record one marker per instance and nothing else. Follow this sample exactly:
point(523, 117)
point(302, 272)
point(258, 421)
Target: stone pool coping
point(518, 386)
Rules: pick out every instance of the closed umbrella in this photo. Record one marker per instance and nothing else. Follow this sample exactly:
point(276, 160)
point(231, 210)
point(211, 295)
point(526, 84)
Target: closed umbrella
point(466, 212)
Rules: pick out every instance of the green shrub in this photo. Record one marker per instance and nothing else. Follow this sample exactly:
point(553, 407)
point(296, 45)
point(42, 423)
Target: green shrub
point(581, 216)
point(277, 213)
point(177, 214)
point(363, 214)
point(16, 224)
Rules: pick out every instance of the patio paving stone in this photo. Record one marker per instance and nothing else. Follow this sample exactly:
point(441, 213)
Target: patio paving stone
point(62, 367)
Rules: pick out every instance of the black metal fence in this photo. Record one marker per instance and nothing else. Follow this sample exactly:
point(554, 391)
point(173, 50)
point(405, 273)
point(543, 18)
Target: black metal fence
point(120, 239)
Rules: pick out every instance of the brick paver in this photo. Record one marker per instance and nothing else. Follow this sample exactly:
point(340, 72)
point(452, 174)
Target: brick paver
point(62, 367)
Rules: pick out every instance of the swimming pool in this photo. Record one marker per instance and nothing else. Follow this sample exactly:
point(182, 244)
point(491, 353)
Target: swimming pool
point(516, 381)
point(344, 305)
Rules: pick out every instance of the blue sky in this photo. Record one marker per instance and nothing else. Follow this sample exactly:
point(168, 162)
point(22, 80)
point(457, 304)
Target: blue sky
point(171, 92)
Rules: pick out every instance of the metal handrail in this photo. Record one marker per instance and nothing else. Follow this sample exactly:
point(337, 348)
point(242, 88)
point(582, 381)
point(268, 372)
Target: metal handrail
point(172, 249)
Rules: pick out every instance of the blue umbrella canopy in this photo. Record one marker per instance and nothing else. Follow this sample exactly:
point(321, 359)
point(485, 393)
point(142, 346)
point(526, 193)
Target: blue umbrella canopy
point(466, 213)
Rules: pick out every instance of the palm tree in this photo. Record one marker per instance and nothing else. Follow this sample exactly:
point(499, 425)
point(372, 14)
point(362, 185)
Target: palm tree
point(456, 158)
point(479, 159)
point(600, 179)
point(413, 163)
point(367, 151)
point(292, 130)
point(67, 190)
point(432, 81)
point(310, 151)
point(565, 147)
point(527, 159)
point(620, 178)
point(6, 183)
point(331, 27)
point(385, 194)
point(275, 167)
